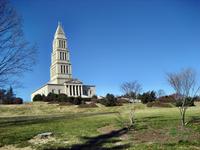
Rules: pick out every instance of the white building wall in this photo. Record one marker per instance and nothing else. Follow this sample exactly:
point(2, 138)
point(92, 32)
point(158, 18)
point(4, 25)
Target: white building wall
point(43, 91)
point(91, 91)
point(52, 88)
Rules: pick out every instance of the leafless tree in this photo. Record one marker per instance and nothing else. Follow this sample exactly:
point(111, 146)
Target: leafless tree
point(130, 88)
point(185, 85)
point(16, 54)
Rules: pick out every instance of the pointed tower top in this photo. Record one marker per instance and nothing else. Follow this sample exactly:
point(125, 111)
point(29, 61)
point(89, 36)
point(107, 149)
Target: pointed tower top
point(60, 32)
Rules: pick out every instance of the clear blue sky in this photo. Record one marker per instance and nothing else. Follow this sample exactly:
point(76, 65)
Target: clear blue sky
point(112, 41)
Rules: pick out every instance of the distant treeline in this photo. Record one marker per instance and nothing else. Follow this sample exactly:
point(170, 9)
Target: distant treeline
point(8, 97)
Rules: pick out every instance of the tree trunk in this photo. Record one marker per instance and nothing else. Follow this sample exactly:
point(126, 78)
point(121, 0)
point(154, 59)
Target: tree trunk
point(183, 117)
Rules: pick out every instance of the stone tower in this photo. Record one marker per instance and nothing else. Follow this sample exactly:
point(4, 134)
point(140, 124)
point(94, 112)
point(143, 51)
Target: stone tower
point(60, 70)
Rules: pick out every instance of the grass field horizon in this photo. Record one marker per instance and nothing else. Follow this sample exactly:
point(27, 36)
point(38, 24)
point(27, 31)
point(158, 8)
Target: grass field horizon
point(97, 128)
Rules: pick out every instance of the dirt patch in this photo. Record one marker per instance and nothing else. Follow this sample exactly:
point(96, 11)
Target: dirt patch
point(149, 136)
point(164, 135)
point(107, 129)
point(39, 141)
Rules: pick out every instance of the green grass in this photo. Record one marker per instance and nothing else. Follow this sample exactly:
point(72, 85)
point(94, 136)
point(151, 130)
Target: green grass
point(155, 128)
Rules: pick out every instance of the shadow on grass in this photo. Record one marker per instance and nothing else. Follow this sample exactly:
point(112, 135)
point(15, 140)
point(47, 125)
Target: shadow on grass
point(97, 142)
point(157, 118)
point(194, 120)
point(25, 120)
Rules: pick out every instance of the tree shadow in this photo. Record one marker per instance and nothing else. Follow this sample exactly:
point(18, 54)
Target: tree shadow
point(97, 142)
point(194, 120)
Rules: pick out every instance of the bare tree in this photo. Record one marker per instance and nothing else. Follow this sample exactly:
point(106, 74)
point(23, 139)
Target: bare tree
point(185, 85)
point(16, 54)
point(130, 88)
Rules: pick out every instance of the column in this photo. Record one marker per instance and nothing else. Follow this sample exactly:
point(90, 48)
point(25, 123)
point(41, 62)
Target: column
point(78, 90)
point(75, 90)
point(81, 90)
point(72, 90)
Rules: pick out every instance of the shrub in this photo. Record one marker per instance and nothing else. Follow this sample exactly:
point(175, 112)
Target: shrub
point(18, 101)
point(37, 97)
point(110, 100)
point(8, 101)
point(189, 102)
point(62, 98)
point(147, 97)
point(158, 104)
point(78, 101)
point(87, 99)
point(167, 99)
point(51, 97)
point(94, 97)
point(71, 99)
point(196, 99)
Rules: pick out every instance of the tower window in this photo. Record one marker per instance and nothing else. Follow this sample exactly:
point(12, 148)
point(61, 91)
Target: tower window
point(67, 69)
point(59, 44)
point(61, 69)
point(64, 69)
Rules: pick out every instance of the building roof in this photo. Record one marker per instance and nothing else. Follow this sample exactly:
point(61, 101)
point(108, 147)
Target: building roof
point(73, 81)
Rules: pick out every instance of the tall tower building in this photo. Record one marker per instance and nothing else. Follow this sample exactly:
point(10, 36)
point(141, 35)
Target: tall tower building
point(60, 61)
point(61, 80)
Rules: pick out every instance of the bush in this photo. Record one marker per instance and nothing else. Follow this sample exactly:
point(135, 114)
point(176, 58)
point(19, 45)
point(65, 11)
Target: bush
point(18, 101)
point(167, 99)
point(38, 97)
point(51, 97)
point(110, 100)
point(78, 101)
point(158, 104)
point(62, 98)
point(196, 99)
point(147, 97)
point(189, 102)
point(94, 97)
point(87, 99)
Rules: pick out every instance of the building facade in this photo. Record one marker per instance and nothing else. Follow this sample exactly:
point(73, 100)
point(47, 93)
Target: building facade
point(61, 80)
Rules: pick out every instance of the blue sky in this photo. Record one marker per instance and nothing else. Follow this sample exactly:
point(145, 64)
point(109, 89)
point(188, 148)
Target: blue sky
point(112, 41)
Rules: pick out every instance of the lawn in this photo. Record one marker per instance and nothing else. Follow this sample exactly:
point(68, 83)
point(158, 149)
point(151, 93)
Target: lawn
point(97, 128)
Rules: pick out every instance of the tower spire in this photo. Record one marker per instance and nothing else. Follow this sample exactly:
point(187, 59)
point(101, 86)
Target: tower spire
point(59, 31)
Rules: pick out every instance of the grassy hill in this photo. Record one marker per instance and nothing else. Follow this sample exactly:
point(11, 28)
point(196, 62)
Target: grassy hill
point(96, 128)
